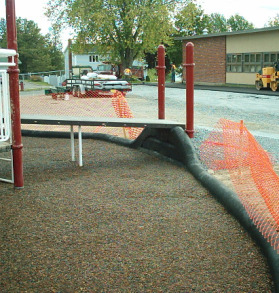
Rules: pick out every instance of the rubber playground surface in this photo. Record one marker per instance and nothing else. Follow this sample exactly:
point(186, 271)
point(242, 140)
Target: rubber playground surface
point(128, 221)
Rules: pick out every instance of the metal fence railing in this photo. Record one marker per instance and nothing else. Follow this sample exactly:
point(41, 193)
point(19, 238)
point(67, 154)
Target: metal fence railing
point(53, 78)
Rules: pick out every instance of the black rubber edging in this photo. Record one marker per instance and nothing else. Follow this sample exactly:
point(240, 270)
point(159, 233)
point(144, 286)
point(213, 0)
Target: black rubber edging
point(85, 135)
point(175, 144)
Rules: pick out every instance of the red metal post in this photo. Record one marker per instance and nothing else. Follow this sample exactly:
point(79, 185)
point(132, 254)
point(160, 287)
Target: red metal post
point(161, 68)
point(189, 65)
point(14, 94)
point(21, 86)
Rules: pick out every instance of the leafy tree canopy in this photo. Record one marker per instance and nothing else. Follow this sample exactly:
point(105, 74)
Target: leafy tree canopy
point(37, 53)
point(191, 20)
point(237, 23)
point(217, 23)
point(124, 29)
point(274, 21)
point(127, 30)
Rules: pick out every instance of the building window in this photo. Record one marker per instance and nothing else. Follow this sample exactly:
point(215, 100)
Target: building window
point(270, 59)
point(93, 58)
point(250, 62)
point(234, 62)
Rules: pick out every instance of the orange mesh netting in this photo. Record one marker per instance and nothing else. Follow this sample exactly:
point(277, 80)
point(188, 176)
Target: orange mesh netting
point(231, 147)
point(91, 103)
point(122, 110)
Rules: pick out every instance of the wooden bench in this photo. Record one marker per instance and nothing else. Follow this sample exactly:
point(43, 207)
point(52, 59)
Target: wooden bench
point(95, 121)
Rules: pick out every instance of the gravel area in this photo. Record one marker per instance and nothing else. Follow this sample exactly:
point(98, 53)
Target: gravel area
point(259, 112)
point(128, 221)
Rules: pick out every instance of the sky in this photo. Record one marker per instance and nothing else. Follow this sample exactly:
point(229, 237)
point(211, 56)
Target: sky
point(256, 11)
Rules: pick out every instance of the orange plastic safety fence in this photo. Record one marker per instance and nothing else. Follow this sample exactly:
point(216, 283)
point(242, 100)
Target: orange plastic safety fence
point(233, 148)
point(122, 110)
point(90, 103)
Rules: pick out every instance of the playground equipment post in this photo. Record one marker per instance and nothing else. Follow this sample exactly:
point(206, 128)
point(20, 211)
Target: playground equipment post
point(14, 94)
point(161, 68)
point(189, 65)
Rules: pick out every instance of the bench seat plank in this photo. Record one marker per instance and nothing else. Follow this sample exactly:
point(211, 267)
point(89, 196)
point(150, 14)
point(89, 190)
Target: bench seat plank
point(94, 121)
point(98, 121)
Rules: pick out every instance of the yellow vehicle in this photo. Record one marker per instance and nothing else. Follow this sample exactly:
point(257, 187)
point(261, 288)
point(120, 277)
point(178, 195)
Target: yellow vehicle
point(268, 77)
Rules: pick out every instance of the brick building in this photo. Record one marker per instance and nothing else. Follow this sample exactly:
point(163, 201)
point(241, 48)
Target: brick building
point(233, 57)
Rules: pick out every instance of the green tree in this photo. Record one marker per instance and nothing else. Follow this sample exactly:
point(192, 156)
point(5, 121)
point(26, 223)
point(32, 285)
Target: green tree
point(217, 23)
point(33, 52)
point(191, 20)
point(36, 52)
point(2, 30)
point(174, 53)
point(237, 23)
point(274, 21)
point(54, 47)
point(121, 29)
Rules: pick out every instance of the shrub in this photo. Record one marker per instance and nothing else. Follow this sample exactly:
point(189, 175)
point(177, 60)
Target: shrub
point(152, 74)
point(36, 78)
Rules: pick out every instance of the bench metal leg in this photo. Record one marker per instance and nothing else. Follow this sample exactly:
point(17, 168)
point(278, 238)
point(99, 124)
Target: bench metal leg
point(80, 146)
point(80, 162)
point(72, 143)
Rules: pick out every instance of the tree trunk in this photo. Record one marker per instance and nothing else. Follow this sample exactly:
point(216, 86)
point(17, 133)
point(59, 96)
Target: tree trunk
point(127, 58)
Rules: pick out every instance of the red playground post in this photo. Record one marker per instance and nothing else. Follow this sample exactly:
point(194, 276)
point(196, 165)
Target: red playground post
point(189, 65)
point(14, 94)
point(161, 68)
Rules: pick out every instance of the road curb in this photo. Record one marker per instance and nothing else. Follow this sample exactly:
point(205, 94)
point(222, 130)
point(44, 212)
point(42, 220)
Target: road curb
point(232, 89)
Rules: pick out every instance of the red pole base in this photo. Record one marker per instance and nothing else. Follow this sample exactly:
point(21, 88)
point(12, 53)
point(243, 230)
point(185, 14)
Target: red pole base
point(161, 82)
point(190, 133)
point(14, 95)
point(189, 65)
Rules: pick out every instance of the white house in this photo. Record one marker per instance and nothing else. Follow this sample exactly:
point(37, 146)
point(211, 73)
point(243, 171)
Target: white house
point(90, 60)
point(81, 61)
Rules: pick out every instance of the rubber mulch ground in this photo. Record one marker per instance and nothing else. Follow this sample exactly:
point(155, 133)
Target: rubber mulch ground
point(128, 221)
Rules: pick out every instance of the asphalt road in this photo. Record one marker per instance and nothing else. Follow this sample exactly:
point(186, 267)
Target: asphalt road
point(227, 88)
point(258, 109)
point(260, 112)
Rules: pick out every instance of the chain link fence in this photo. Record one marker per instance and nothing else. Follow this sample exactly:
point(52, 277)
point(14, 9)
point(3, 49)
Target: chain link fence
point(52, 78)
point(97, 103)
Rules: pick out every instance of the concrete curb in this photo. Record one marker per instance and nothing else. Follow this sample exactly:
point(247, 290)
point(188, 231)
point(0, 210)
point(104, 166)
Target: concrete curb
point(175, 144)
